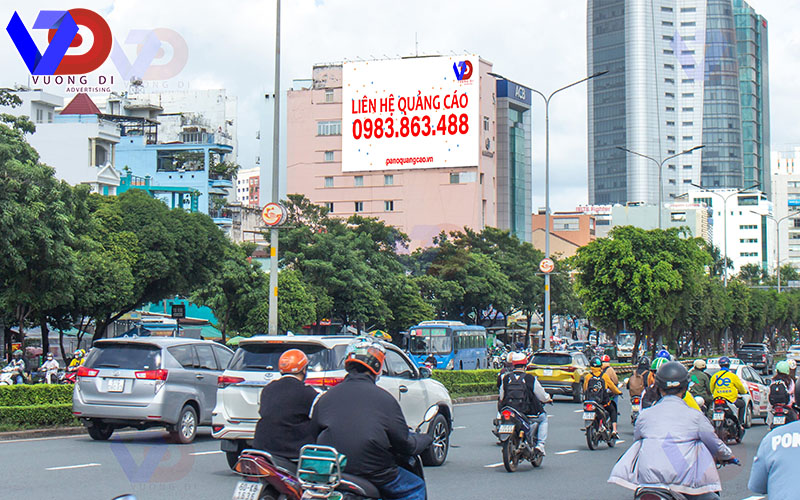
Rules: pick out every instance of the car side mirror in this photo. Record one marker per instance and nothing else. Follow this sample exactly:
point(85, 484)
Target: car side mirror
point(425, 372)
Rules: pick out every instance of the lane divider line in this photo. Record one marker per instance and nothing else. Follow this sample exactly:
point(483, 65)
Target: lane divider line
point(754, 498)
point(460, 427)
point(492, 466)
point(577, 411)
point(566, 452)
point(66, 467)
point(212, 452)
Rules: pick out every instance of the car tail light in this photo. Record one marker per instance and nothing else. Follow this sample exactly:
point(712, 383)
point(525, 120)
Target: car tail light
point(87, 372)
point(569, 369)
point(588, 407)
point(152, 375)
point(763, 357)
point(507, 415)
point(324, 381)
point(224, 381)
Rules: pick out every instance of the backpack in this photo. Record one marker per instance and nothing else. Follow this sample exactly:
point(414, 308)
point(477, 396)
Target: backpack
point(596, 390)
point(518, 395)
point(650, 396)
point(778, 393)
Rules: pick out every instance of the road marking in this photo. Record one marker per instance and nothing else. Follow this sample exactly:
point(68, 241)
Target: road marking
point(460, 427)
point(51, 438)
point(566, 452)
point(754, 498)
point(65, 467)
point(492, 466)
point(577, 411)
point(212, 452)
point(494, 401)
point(620, 441)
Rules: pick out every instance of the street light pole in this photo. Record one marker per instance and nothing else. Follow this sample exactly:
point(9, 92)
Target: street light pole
point(724, 223)
point(660, 172)
point(547, 332)
point(777, 241)
point(273, 237)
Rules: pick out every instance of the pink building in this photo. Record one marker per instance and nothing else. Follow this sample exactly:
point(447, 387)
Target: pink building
point(421, 202)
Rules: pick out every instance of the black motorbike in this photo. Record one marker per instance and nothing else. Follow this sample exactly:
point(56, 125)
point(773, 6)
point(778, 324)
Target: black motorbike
point(636, 402)
point(782, 414)
point(726, 423)
point(519, 437)
point(598, 425)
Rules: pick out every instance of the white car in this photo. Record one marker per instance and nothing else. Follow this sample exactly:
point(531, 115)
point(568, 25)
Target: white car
point(757, 399)
point(793, 353)
point(255, 365)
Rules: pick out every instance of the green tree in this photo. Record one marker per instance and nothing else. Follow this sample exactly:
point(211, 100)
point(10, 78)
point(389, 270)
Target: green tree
point(752, 274)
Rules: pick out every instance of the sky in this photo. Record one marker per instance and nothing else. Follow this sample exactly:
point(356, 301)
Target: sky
point(538, 43)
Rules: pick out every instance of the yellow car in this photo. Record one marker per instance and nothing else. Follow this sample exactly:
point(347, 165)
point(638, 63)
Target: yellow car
point(560, 372)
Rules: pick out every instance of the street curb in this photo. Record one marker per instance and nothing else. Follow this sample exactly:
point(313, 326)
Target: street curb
point(475, 399)
point(38, 433)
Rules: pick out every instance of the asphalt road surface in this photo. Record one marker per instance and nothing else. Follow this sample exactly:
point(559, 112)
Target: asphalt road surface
point(144, 464)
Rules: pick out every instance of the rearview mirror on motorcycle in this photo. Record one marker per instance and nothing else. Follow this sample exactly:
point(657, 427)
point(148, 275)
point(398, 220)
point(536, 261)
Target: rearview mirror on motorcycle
point(430, 414)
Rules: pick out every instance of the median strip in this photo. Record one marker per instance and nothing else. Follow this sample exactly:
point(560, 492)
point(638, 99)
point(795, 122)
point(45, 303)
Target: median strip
point(66, 467)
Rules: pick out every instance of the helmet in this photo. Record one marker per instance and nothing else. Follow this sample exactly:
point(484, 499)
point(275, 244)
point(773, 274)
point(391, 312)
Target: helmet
point(700, 364)
point(605, 358)
point(724, 362)
point(293, 361)
point(78, 353)
point(792, 364)
point(49, 355)
point(672, 375)
point(596, 362)
point(782, 367)
point(644, 361)
point(366, 353)
point(518, 359)
point(657, 363)
point(18, 353)
point(663, 353)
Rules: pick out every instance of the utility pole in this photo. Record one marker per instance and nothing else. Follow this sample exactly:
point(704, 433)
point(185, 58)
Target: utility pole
point(276, 196)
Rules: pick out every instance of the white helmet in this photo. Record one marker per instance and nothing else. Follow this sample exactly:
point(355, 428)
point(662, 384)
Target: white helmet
point(792, 364)
point(517, 359)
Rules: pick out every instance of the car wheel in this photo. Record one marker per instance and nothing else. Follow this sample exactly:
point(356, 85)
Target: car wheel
point(748, 417)
point(100, 432)
point(186, 428)
point(577, 393)
point(436, 453)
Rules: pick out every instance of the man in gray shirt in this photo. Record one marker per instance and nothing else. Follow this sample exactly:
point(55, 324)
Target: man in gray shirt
point(776, 466)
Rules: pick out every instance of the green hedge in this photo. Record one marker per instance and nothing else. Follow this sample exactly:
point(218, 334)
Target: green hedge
point(39, 394)
point(49, 415)
point(467, 382)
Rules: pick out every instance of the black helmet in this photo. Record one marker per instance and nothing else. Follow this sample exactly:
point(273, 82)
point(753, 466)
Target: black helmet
point(644, 362)
point(596, 362)
point(672, 377)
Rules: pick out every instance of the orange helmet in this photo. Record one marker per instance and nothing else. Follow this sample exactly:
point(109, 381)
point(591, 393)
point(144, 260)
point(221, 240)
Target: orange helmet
point(293, 361)
point(367, 353)
point(606, 358)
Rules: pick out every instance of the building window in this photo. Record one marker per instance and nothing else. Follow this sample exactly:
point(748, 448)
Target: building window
point(388, 180)
point(566, 224)
point(688, 138)
point(328, 182)
point(666, 23)
point(481, 178)
point(332, 127)
point(671, 167)
point(748, 254)
point(688, 9)
point(670, 137)
point(388, 206)
point(687, 80)
point(669, 52)
point(687, 52)
point(669, 80)
point(748, 240)
point(687, 167)
point(687, 110)
point(670, 124)
point(358, 180)
point(667, 37)
point(666, 9)
point(688, 23)
point(329, 206)
point(328, 95)
point(670, 151)
point(688, 124)
point(687, 95)
point(748, 226)
point(670, 108)
point(689, 37)
point(669, 94)
point(669, 66)
point(486, 123)
point(454, 178)
point(687, 181)
point(359, 206)
point(328, 155)
point(672, 181)
point(687, 66)
point(49, 117)
point(39, 116)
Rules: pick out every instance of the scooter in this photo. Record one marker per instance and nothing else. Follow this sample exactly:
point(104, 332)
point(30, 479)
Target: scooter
point(782, 414)
point(598, 427)
point(635, 406)
point(519, 437)
point(8, 375)
point(726, 423)
point(318, 474)
point(663, 492)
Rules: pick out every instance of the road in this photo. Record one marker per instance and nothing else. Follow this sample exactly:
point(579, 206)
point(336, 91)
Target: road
point(143, 463)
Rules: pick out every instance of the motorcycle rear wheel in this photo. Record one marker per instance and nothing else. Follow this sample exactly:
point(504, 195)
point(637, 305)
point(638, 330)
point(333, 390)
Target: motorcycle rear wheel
point(536, 461)
point(510, 455)
point(591, 436)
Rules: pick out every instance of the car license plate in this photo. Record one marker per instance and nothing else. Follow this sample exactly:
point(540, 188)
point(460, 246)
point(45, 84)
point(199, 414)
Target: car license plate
point(588, 415)
point(779, 420)
point(116, 384)
point(247, 490)
point(719, 416)
point(506, 429)
point(634, 407)
point(547, 372)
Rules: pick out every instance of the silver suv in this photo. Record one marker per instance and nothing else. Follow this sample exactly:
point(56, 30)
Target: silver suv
point(149, 382)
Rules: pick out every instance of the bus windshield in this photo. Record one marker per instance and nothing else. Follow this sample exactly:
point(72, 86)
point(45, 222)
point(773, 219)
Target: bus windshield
point(431, 341)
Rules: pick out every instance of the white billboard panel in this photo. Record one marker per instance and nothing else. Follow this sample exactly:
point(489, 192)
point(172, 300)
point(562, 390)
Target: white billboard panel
point(410, 113)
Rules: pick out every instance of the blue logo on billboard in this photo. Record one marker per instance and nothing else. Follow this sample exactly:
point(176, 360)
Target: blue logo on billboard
point(463, 70)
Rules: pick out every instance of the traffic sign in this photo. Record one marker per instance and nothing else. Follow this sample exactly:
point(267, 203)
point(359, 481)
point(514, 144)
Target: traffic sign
point(547, 265)
point(274, 214)
point(178, 311)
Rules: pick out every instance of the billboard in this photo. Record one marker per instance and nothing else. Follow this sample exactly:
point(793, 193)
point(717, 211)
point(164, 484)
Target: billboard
point(410, 113)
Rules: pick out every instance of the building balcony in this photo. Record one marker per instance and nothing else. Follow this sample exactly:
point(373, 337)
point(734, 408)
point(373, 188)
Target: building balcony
point(221, 183)
point(223, 221)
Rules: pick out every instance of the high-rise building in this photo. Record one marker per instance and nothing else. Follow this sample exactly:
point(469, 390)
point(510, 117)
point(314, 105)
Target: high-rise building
point(786, 198)
point(680, 74)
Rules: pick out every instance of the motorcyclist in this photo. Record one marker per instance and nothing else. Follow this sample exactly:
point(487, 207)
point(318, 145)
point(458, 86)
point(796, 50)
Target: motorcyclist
point(727, 385)
point(523, 392)
point(77, 360)
point(663, 353)
point(665, 436)
point(284, 426)
point(637, 381)
point(597, 371)
point(781, 390)
point(699, 384)
point(651, 394)
point(366, 424)
point(17, 365)
point(50, 369)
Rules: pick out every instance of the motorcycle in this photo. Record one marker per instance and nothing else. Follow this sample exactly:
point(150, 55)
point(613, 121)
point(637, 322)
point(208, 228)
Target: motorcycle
point(635, 406)
point(518, 435)
point(8, 375)
point(598, 427)
point(726, 423)
point(663, 492)
point(317, 475)
point(782, 414)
